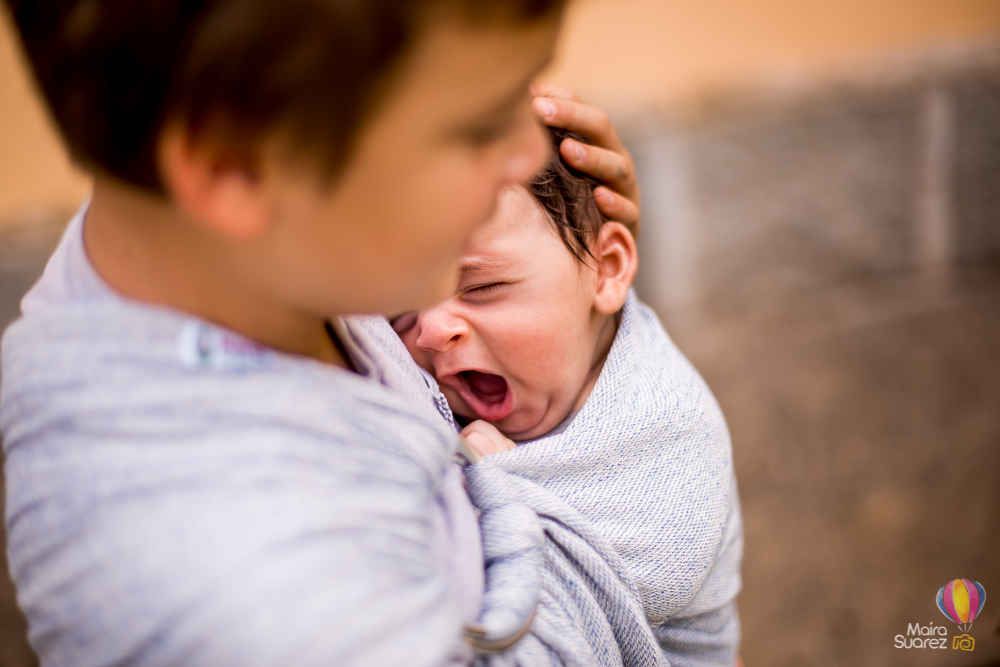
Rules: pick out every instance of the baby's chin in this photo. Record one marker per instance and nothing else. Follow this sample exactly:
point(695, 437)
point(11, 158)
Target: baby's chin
point(520, 425)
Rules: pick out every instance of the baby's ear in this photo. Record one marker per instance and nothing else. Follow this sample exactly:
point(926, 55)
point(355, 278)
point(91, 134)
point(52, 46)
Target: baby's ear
point(617, 263)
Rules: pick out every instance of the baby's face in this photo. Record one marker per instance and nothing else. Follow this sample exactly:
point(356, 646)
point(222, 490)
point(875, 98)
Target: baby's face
point(515, 345)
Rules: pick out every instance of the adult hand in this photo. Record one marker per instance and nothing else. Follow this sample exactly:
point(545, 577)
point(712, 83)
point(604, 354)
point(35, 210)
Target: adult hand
point(486, 439)
point(604, 157)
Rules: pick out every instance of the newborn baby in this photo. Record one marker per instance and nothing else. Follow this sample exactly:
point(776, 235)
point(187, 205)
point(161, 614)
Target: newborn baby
point(545, 344)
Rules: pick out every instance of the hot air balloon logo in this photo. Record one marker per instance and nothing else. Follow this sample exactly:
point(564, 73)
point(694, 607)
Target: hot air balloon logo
point(961, 601)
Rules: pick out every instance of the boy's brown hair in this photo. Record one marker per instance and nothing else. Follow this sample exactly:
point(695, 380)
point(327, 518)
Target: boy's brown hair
point(115, 71)
point(567, 198)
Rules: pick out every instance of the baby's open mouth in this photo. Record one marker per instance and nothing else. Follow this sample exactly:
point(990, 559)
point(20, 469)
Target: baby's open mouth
point(487, 394)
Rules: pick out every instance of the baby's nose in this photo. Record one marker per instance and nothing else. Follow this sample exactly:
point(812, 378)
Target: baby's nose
point(439, 330)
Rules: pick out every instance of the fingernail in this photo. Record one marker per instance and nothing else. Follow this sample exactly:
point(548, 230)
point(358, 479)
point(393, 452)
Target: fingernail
point(546, 108)
point(603, 197)
point(578, 152)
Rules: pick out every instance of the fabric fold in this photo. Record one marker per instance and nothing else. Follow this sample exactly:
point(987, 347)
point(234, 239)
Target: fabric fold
point(637, 501)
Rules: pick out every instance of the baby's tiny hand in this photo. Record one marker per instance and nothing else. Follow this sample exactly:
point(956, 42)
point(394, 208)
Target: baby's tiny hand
point(486, 439)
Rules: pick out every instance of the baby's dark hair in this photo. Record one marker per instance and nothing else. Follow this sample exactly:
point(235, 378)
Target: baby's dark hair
point(566, 195)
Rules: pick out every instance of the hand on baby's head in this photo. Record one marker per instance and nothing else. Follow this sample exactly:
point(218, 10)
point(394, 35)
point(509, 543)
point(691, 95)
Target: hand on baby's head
point(523, 337)
point(486, 439)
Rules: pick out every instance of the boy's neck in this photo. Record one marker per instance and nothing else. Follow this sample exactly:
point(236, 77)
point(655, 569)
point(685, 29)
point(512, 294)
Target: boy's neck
point(145, 250)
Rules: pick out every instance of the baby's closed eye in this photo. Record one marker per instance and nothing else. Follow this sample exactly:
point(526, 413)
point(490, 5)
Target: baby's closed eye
point(483, 289)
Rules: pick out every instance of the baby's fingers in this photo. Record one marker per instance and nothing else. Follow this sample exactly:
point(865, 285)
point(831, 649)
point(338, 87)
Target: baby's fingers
point(480, 444)
point(486, 439)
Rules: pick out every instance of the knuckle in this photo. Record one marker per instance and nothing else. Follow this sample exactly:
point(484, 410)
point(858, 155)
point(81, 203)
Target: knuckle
point(571, 119)
point(633, 213)
point(568, 94)
point(624, 168)
point(601, 122)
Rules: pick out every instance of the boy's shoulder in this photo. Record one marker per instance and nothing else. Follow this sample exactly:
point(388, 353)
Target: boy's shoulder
point(184, 453)
point(140, 369)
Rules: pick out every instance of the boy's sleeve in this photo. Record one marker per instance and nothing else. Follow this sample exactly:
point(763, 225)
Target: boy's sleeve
point(236, 553)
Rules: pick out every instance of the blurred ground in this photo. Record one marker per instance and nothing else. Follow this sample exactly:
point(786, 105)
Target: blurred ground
point(865, 423)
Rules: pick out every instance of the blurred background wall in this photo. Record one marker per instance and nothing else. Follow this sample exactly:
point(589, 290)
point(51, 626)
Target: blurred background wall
point(821, 228)
point(634, 56)
point(36, 179)
point(645, 55)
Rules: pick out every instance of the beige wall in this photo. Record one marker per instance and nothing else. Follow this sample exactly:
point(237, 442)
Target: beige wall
point(638, 54)
point(36, 180)
point(661, 53)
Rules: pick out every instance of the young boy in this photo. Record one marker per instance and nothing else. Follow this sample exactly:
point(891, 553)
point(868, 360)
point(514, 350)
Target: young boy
point(206, 464)
point(545, 343)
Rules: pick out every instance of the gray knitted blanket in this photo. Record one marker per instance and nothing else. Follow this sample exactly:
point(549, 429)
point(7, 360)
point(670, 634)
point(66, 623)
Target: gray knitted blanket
point(637, 502)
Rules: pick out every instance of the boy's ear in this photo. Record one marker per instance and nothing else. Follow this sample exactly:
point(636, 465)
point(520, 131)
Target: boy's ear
point(617, 261)
point(222, 191)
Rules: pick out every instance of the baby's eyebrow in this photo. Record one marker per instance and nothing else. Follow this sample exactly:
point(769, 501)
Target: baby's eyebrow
point(481, 264)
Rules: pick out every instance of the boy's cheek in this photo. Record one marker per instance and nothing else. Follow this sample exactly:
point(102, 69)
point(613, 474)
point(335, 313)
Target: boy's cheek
point(440, 288)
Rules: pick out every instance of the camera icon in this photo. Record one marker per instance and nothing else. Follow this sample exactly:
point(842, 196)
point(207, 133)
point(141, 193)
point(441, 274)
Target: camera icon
point(963, 642)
